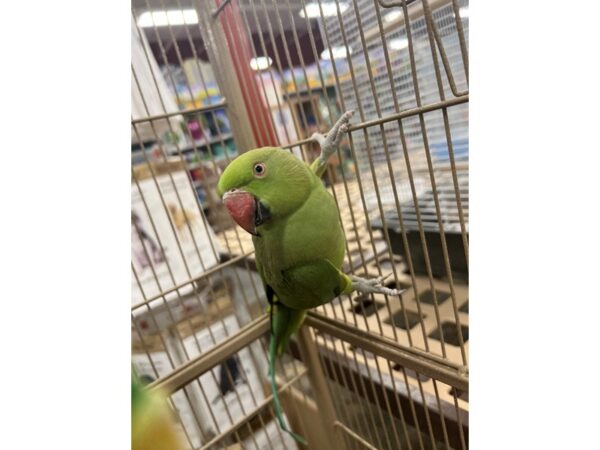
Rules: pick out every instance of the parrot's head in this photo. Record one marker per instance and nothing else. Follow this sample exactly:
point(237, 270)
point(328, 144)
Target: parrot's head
point(264, 185)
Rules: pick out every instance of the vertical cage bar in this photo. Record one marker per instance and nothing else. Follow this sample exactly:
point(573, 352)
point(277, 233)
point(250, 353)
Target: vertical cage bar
point(218, 54)
point(239, 46)
point(309, 353)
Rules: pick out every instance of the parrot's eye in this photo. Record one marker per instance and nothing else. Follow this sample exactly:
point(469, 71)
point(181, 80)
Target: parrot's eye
point(260, 170)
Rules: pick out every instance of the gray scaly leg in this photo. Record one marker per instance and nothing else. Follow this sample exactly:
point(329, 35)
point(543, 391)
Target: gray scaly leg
point(331, 141)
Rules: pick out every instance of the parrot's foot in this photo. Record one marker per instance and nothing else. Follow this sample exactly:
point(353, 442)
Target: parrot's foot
point(330, 142)
point(373, 285)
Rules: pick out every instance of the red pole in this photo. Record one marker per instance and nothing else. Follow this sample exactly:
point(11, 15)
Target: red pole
point(239, 46)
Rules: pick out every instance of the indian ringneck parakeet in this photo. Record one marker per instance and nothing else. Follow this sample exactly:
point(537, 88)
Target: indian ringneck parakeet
point(298, 238)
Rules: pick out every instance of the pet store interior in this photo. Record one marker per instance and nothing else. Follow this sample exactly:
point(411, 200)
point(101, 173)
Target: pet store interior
point(211, 80)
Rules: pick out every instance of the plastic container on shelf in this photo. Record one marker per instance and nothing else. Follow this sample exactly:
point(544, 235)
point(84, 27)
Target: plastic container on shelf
point(196, 132)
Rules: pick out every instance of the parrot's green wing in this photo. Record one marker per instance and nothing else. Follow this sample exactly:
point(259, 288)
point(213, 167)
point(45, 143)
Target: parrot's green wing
point(316, 283)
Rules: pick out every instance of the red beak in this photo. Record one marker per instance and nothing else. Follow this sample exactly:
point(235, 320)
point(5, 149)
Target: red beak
point(242, 208)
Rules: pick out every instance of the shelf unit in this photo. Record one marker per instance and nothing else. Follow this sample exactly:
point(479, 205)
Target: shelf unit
point(205, 157)
point(395, 38)
point(201, 144)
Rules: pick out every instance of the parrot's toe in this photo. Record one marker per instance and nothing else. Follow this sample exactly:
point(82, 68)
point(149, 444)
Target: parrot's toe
point(347, 115)
point(373, 285)
point(381, 279)
point(394, 292)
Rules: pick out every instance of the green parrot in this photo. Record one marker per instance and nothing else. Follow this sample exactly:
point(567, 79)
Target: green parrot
point(297, 235)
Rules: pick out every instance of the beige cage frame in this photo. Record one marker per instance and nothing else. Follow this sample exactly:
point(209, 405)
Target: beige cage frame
point(405, 375)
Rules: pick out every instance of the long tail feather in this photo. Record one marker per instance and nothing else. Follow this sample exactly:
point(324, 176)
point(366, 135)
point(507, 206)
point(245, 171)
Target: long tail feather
point(284, 321)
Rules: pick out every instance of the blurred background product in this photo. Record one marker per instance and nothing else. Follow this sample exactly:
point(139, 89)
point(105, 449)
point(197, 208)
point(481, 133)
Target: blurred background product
point(152, 423)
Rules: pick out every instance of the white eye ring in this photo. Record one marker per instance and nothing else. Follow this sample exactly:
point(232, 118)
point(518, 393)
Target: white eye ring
point(259, 170)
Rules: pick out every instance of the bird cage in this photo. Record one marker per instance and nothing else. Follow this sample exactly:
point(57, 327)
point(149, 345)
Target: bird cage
point(213, 79)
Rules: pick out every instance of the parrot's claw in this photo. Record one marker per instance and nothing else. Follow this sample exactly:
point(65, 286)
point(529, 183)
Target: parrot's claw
point(373, 285)
point(330, 142)
point(379, 280)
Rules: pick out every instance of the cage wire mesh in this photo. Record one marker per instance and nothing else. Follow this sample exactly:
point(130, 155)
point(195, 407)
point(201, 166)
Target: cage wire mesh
point(366, 371)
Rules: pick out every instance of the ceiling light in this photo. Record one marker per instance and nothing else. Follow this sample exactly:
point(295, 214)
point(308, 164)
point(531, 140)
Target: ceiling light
point(398, 43)
point(463, 13)
point(337, 52)
point(392, 16)
point(313, 10)
point(170, 17)
point(261, 63)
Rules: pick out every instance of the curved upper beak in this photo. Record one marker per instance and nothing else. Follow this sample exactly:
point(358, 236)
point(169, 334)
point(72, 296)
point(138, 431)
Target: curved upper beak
point(241, 206)
point(247, 211)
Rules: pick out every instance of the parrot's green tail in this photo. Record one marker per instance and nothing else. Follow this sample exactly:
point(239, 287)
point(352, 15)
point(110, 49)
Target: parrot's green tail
point(284, 322)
